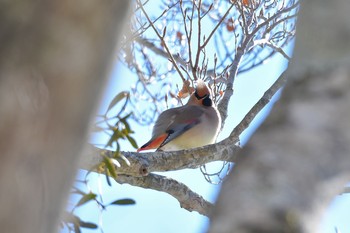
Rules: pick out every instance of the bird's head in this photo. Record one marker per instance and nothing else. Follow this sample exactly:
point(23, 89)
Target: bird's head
point(201, 95)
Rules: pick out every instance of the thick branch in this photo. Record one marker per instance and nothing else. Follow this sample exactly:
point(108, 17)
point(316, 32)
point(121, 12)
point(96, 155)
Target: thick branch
point(188, 199)
point(144, 163)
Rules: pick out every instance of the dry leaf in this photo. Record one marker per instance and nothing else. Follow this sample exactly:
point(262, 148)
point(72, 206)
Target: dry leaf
point(230, 26)
point(186, 90)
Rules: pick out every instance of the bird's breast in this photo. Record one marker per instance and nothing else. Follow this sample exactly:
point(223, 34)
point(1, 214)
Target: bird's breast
point(200, 135)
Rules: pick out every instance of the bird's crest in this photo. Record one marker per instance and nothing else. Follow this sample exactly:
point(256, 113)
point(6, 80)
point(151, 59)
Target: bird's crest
point(201, 88)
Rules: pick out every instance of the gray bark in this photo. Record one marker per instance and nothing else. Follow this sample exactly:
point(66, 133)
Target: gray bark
point(299, 159)
point(54, 57)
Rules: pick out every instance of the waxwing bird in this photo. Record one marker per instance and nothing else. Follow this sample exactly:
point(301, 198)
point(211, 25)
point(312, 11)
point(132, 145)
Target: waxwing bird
point(193, 125)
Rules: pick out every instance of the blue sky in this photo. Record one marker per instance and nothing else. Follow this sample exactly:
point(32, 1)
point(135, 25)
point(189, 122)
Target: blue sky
point(157, 212)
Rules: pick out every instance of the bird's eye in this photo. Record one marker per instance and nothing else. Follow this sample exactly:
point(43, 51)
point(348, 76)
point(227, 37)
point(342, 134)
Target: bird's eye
point(207, 101)
point(196, 95)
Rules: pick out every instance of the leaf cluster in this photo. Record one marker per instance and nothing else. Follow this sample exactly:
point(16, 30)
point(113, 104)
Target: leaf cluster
point(115, 123)
point(74, 223)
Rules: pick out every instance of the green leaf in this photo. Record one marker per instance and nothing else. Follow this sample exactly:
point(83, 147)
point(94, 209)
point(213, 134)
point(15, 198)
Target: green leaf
point(117, 151)
point(123, 119)
point(86, 198)
point(108, 180)
point(132, 141)
point(126, 201)
point(88, 225)
point(126, 124)
point(116, 99)
point(110, 166)
point(115, 136)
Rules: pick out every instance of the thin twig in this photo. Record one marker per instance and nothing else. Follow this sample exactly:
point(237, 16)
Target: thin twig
point(216, 27)
point(158, 51)
point(173, 61)
point(264, 100)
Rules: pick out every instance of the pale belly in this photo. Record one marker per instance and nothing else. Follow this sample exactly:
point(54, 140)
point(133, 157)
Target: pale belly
point(196, 137)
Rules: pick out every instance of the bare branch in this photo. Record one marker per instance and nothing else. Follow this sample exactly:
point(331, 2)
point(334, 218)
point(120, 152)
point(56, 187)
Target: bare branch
point(242, 50)
point(271, 45)
point(159, 51)
point(188, 199)
point(199, 37)
point(163, 42)
point(284, 10)
point(264, 100)
point(223, 105)
point(216, 27)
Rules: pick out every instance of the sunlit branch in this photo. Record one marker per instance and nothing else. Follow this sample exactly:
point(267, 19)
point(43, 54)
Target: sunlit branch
point(279, 13)
point(276, 48)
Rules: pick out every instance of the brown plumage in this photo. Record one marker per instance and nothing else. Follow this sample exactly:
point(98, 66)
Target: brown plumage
point(195, 124)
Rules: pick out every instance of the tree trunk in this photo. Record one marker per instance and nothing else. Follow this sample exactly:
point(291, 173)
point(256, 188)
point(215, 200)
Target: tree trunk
point(53, 65)
point(299, 159)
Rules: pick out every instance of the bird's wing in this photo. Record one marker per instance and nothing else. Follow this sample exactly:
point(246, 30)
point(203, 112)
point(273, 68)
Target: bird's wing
point(187, 117)
point(173, 123)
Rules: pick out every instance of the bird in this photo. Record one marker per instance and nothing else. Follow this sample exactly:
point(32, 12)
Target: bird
point(195, 124)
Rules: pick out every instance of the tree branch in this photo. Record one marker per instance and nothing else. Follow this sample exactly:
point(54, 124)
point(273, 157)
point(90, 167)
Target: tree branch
point(271, 45)
point(159, 51)
point(144, 163)
point(188, 199)
point(223, 105)
point(264, 100)
point(161, 37)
